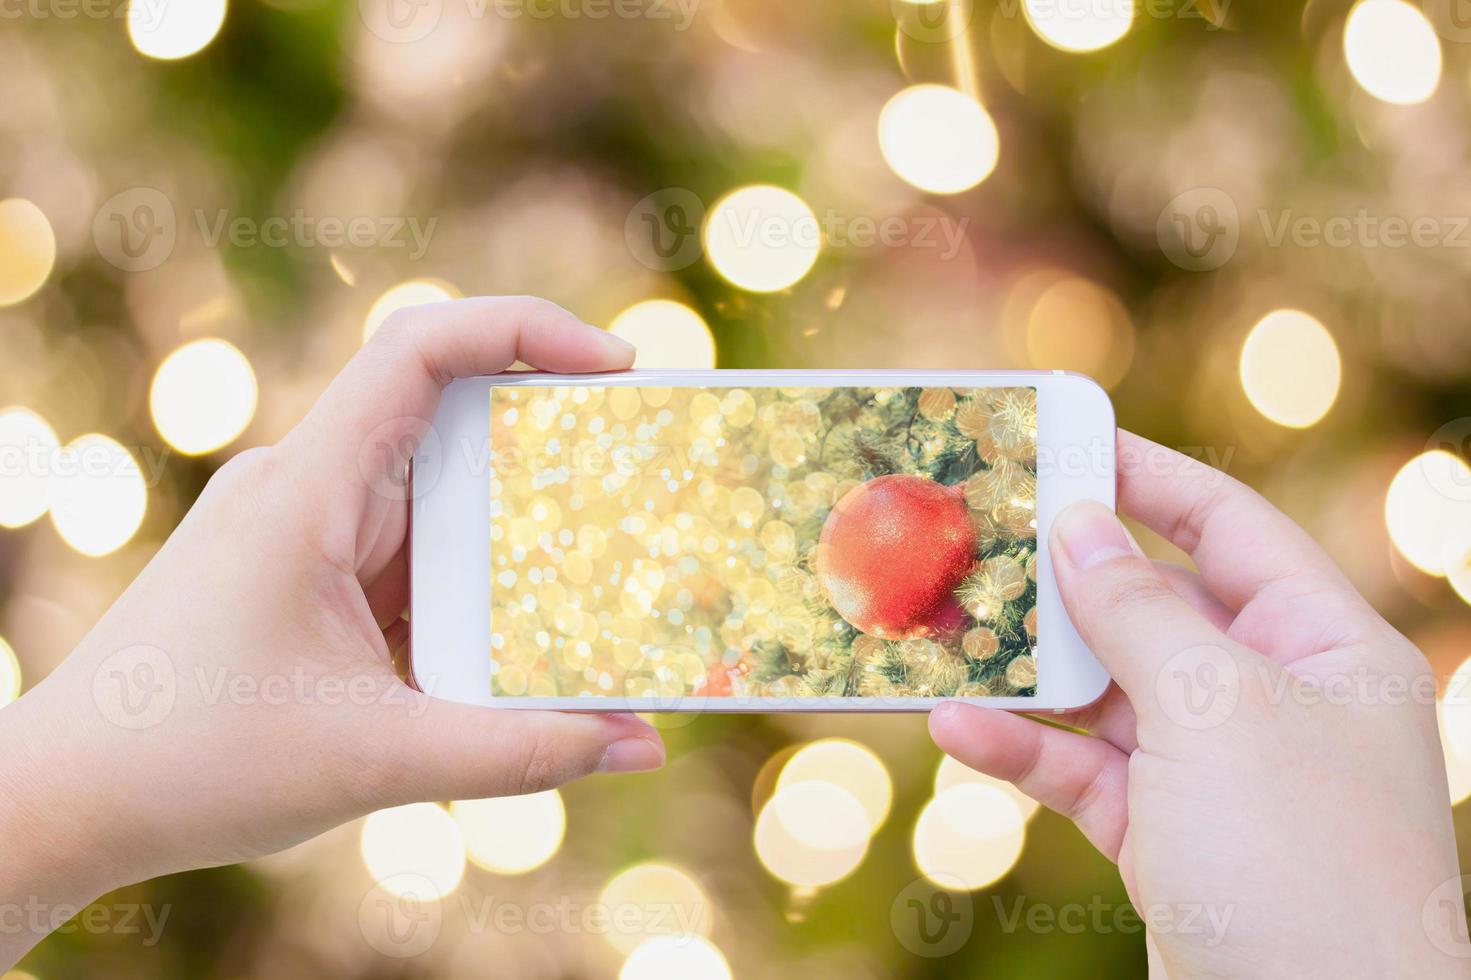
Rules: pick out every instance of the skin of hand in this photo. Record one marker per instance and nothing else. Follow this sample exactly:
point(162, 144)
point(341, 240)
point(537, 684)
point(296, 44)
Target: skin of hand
point(241, 695)
point(1267, 753)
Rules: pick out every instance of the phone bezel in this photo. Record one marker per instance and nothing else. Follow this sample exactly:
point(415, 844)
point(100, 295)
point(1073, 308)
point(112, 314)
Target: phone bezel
point(450, 569)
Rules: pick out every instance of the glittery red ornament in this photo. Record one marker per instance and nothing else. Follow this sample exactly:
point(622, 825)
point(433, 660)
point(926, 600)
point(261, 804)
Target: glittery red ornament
point(892, 553)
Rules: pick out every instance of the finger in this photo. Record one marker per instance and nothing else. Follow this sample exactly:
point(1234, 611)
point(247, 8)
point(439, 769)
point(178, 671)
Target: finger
point(1240, 542)
point(1189, 586)
point(388, 592)
point(1124, 610)
point(451, 751)
point(1083, 778)
point(1112, 717)
point(356, 440)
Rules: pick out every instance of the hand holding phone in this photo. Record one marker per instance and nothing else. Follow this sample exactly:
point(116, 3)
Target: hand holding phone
point(1265, 770)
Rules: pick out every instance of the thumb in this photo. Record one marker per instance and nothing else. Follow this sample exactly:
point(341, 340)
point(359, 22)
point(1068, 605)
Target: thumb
point(452, 751)
point(1138, 627)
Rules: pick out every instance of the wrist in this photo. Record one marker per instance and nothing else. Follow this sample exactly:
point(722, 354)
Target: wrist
point(57, 828)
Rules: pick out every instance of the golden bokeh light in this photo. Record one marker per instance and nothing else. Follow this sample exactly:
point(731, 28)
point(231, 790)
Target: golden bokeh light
point(1427, 504)
point(938, 139)
point(1454, 709)
point(847, 764)
point(1392, 51)
point(1290, 368)
point(1456, 554)
point(414, 292)
point(27, 250)
point(971, 834)
point(652, 900)
point(511, 835)
point(817, 813)
point(1453, 713)
point(675, 958)
point(414, 850)
point(762, 238)
point(834, 834)
point(203, 396)
point(953, 773)
point(27, 450)
point(667, 335)
point(98, 495)
point(1079, 25)
point(1078, 325)
point(10, 679)
point(169, 31)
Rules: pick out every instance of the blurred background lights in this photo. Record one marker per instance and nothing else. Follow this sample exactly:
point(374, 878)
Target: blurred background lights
point(1078, 325)
point(415, 292)
point(27, 250)
point(1079, 25)
point(1423, 510)
point(27, 453)
point(849, 765)
point(952, 773)
point(667, 334)
point(512, 835)
point(9, 674)
point(415, 849)
point(1290, 368)
point(970, 832)
point(819, 859)
point(167, 31)
point(1455, 709)
point(938, 139)
point(1392, 51)
point(1456, 557)
point(98, 495)
point(653, 899)
point(203, 396)
point(762, 238)
point(675, 958)
point(820, 814)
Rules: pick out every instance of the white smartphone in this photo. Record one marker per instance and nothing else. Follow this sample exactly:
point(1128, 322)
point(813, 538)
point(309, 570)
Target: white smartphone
point(754, 540)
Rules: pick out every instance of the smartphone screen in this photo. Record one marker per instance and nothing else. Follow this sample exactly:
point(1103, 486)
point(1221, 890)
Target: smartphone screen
point(763, 542)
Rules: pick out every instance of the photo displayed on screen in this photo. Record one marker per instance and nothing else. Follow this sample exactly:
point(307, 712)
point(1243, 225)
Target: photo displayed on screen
point(763, 542)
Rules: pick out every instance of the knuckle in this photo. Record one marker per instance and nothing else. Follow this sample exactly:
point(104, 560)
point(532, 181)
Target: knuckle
point(1127, 587)
point(244, 475)
point(542, 765)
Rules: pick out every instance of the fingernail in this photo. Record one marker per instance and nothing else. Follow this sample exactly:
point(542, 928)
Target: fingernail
point(632, 755)
point(1090, 533)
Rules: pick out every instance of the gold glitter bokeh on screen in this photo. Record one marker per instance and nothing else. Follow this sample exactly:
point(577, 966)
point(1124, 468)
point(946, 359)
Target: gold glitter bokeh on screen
point(664, 542)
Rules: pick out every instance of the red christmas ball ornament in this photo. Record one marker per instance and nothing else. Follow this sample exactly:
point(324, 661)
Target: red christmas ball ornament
point(892, 553)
